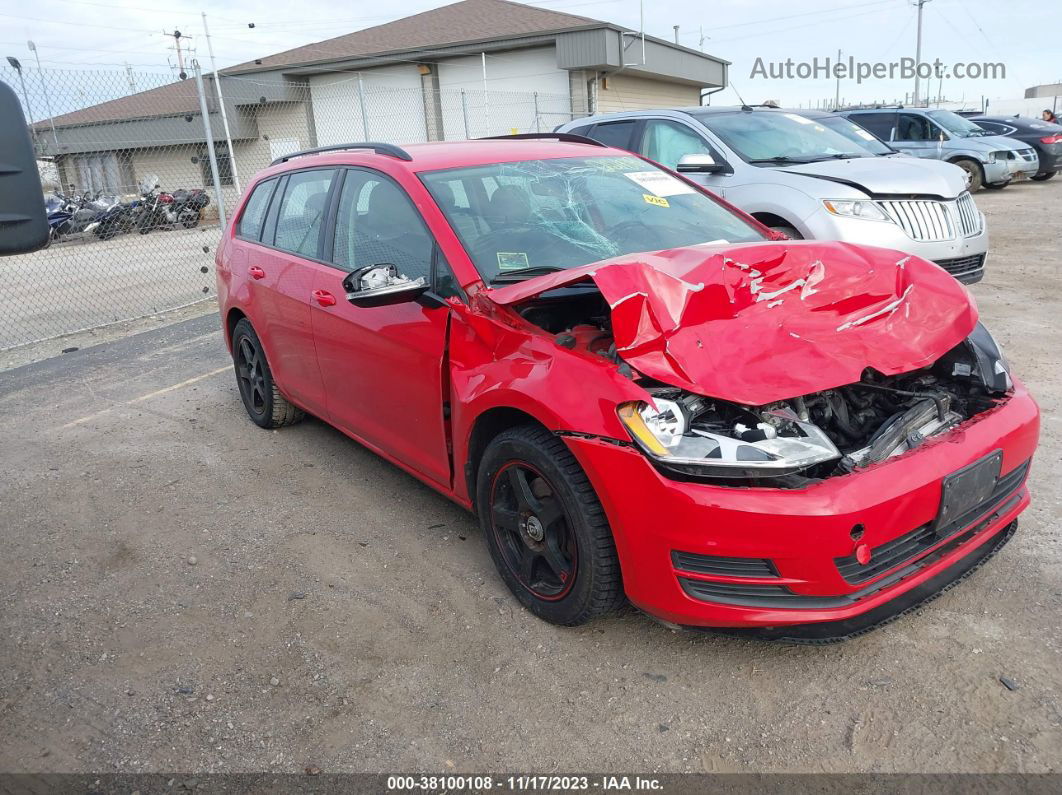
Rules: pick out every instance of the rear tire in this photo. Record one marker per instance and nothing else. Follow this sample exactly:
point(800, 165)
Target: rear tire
point(1043, 177)
point(536, 504)
point(266, 407)
point(975, 172)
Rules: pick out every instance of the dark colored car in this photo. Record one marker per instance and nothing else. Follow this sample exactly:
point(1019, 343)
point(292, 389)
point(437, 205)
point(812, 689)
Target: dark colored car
point(642, 392)
point(1043, 136)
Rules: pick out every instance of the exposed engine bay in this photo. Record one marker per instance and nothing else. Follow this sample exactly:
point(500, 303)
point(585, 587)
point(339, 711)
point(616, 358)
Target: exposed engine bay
point(789, 443)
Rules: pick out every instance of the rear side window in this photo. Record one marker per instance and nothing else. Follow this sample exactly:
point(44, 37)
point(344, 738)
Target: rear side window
point(302, 212)
point(613, 133)
point(878, 123)
point(254, 211)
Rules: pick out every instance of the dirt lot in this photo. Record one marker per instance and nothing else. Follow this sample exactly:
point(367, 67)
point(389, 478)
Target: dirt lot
point(340, 615)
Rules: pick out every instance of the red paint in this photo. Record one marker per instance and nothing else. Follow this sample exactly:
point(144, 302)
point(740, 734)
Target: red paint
point(324, 298)
point(383, 375)
point(862, 553)
point(792, 315)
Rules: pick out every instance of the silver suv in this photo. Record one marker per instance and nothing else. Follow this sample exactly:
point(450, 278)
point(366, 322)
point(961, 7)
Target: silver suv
point(811, 175)
point(992, 161)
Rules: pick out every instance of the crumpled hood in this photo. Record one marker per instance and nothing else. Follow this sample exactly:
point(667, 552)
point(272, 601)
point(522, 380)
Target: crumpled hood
point(762, 322)
point(885, 176)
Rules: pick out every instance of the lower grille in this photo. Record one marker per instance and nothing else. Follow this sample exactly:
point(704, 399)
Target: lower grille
point(963, 266)
point(900, 550)
point(730, 567)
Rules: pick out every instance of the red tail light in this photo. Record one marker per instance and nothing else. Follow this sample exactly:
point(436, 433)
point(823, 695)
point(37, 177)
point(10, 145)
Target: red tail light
point(1052, 139)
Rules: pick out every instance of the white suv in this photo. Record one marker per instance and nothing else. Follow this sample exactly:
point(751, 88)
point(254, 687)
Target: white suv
point(811, 175)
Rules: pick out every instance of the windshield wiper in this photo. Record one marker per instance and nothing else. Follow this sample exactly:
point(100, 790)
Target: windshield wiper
point(524, 273)
point(780, 159)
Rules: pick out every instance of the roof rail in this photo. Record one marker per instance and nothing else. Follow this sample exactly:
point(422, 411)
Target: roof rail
point(567, 137)
point(381, 149)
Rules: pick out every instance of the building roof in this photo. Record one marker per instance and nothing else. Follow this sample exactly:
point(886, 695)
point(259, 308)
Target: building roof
point(464, 21)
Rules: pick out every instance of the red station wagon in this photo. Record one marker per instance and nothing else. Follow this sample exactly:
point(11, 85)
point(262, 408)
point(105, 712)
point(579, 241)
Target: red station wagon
point(641, 392)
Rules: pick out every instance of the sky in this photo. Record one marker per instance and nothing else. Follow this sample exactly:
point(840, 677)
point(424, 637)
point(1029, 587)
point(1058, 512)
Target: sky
point(1024, 35)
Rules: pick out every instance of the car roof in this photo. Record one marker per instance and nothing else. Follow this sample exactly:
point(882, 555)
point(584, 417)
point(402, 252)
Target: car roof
point(1020, 122)
point(450, 154)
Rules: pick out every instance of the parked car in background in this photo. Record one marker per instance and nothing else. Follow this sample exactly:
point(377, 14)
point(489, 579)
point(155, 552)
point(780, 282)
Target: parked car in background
point(811, 175)
point(639, 391)
point(991, 161)
point(1043, 136)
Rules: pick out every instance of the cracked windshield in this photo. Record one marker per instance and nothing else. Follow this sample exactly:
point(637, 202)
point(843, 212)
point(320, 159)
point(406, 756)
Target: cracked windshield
point(521, 219)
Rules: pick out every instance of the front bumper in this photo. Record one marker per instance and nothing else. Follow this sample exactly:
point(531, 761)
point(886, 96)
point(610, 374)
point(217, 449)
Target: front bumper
point(999, 172)
point(702, 555)
point(963, 257)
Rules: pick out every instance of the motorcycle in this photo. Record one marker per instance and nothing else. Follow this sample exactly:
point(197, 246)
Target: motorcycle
point(68, 216)
point(160, 209)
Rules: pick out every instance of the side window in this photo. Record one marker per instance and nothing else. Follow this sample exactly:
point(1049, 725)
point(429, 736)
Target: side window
point(992, 127)
point(913, 128)
point(878, 123)
point(445, 283)
point(250, 225)
point(377, 223)
point(302, 212)
point(667, 141)
point(613, 133)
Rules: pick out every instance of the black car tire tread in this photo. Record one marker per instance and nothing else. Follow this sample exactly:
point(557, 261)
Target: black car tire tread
point(279, 411)
point(1041, 177)
point(597, 548)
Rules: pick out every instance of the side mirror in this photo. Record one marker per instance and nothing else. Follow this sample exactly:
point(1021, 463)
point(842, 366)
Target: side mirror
point(23, 219)
point(700, 163)
point(381, 285)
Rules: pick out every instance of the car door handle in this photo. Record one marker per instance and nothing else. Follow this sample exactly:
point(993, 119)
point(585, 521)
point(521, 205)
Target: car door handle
point(255, 272)
point(324, 298)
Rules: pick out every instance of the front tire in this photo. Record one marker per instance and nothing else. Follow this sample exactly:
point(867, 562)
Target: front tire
point(545, 528)
point(1042, 177)
point(974, 172)
point(266, 407)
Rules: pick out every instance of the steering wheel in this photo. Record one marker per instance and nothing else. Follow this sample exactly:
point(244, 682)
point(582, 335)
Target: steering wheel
point(623, 232)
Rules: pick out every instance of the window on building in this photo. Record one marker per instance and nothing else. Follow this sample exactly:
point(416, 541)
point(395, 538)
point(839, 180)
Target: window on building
point(224, 165)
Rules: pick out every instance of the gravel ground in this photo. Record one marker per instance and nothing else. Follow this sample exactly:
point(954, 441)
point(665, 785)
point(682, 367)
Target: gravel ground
point(85, 283)
point(182, 591)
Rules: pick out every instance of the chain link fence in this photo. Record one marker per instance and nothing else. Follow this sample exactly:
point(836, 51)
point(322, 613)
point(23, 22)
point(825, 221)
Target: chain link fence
point(132, 200)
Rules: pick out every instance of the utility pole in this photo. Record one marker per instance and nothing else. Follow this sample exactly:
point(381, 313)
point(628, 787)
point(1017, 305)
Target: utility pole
point(837, 92)
point(44, 88)
point(221, 103)
point(918, 50)
point(176, 36)
point(129, 77)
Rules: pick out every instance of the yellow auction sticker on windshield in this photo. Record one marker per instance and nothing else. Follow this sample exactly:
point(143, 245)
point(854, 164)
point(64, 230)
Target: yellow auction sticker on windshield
point(512, 261)
point(659, 201)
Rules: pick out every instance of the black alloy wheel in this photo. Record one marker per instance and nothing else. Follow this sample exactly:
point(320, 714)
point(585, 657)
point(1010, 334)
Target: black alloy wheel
point(532, 531)
point(265, 405)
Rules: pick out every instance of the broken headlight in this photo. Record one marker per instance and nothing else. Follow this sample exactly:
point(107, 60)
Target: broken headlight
point(991, 364)
point(689, 434)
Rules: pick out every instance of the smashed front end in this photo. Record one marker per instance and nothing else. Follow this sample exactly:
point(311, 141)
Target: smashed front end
point(826, 435)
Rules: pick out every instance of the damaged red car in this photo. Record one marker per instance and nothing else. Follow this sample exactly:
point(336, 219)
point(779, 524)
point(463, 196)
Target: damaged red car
point(641, 392)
